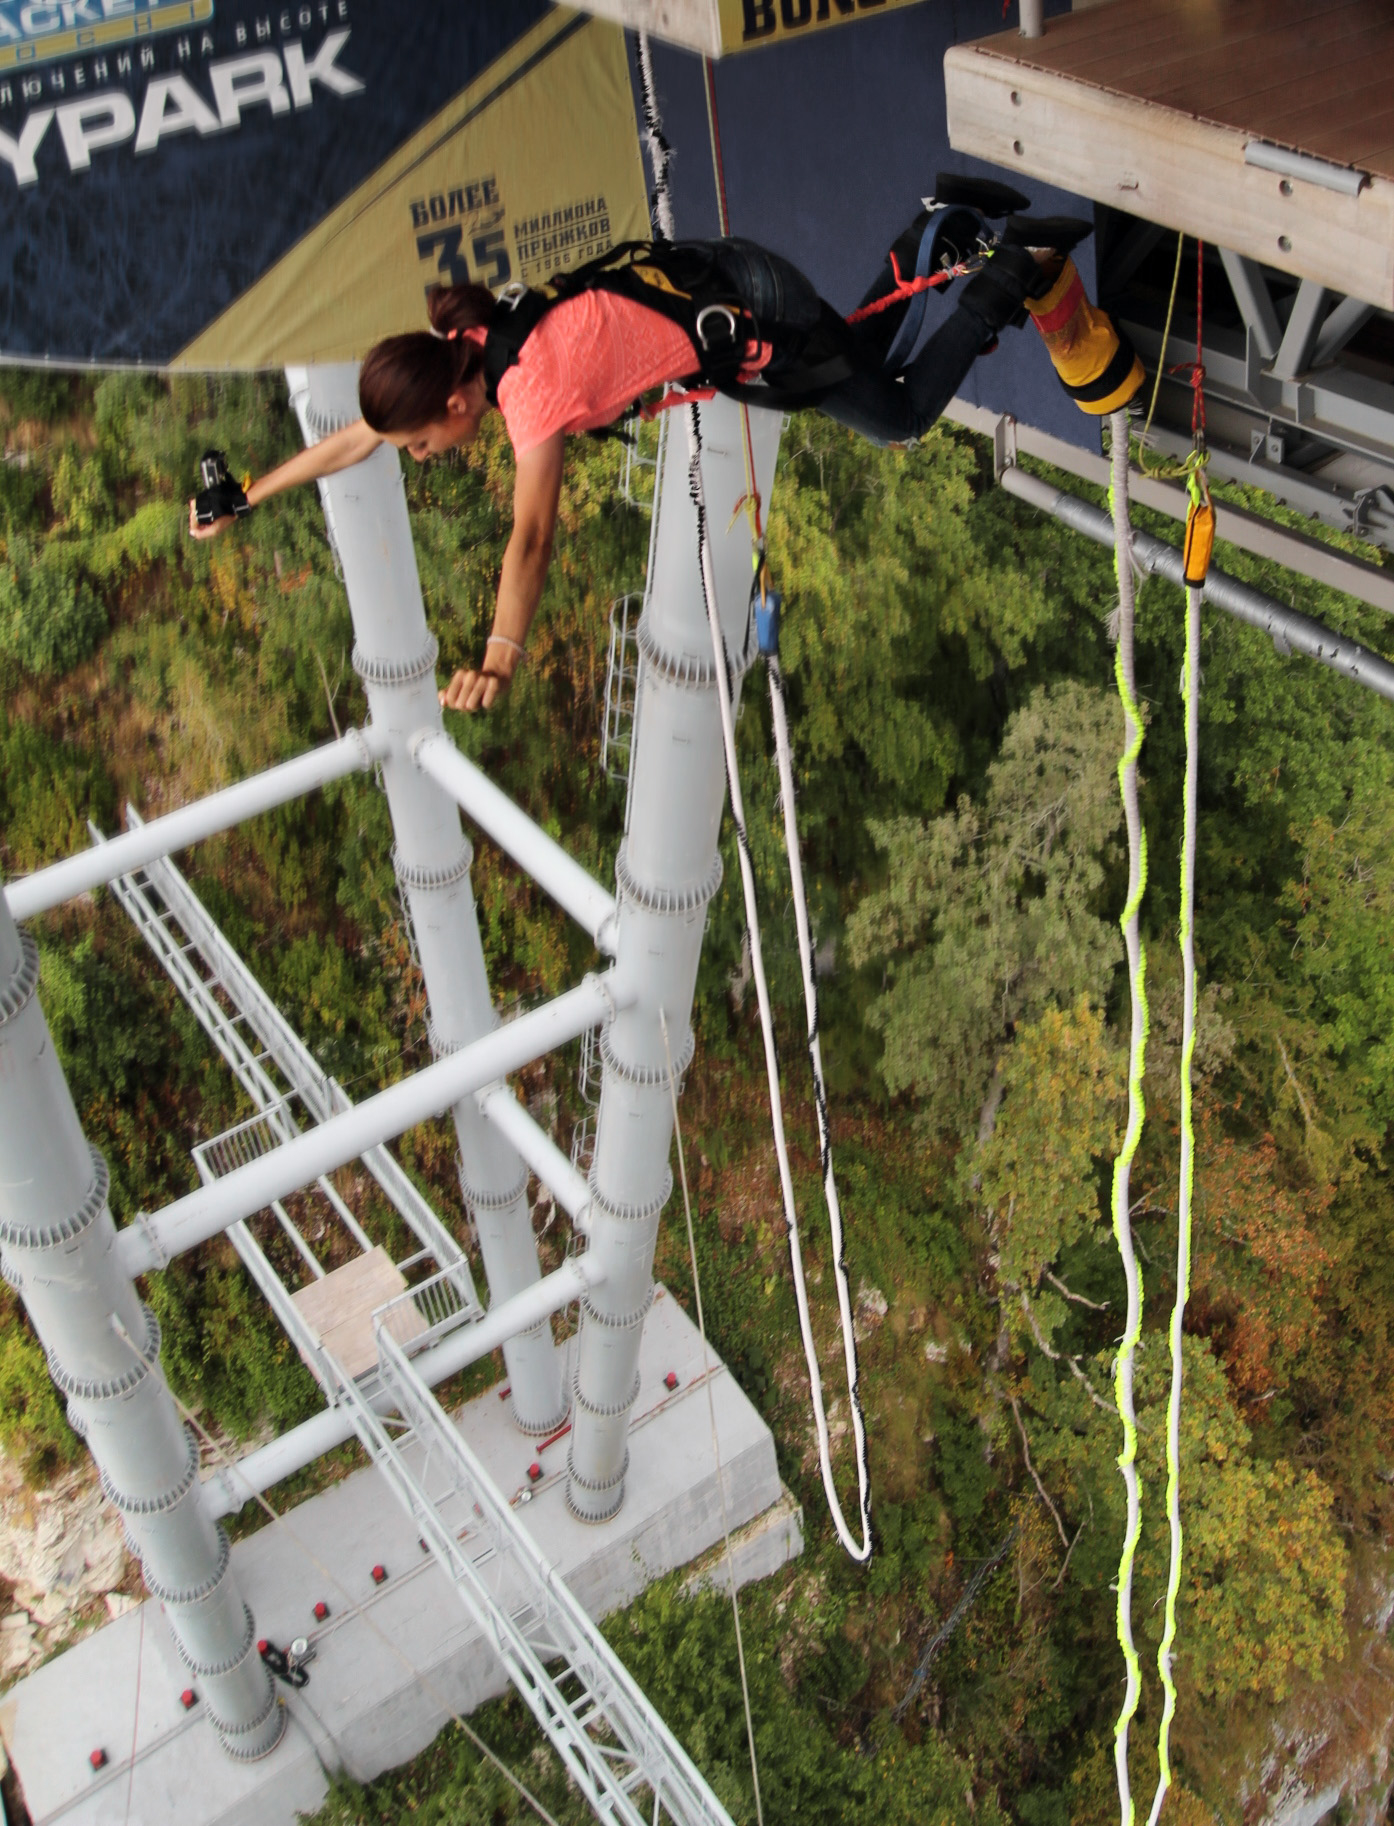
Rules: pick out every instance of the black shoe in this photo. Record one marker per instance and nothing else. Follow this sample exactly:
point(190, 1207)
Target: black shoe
point(940, 237)
point(997, 294)
point(956, 234)
point(1063, 233)
point(985, 195)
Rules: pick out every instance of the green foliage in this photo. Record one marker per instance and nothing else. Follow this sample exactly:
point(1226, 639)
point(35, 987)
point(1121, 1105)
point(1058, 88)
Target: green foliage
point(48, 790)
point(50, 617)
point(1263, 1581)
point(37, 394)
point(966, 1476)
point(224, 1352)
point(681, 1650)
point(1063, 1083)
point(33, 1428)
point(989, 916)
point(1344, 940)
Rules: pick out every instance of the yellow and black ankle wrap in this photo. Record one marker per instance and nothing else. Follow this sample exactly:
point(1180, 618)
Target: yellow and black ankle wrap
point(1097, 365)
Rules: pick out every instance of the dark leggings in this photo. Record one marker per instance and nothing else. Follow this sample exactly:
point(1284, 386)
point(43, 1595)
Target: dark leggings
point(882, 406)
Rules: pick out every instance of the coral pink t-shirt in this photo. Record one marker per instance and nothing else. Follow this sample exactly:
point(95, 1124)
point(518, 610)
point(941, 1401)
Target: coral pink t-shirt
point(586, 362)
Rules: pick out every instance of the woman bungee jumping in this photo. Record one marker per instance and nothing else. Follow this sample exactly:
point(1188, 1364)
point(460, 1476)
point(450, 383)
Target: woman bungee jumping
point(724, 315)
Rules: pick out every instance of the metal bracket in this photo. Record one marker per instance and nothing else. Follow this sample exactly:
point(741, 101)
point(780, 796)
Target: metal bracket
point(1003, 446)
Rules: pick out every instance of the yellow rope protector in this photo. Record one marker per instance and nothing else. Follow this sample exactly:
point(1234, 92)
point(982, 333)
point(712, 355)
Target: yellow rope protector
point(1200, 522)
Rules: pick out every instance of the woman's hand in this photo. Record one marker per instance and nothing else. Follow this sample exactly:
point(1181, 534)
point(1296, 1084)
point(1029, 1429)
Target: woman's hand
point(472, 691)
point(213, 528)
point(479, 690)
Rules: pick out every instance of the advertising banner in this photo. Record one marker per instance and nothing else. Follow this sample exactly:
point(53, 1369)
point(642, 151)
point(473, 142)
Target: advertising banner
point(218, 184)
point(747, 23)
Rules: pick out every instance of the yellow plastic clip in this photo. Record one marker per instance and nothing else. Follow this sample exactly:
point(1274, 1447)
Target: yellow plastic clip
point(1200, 525)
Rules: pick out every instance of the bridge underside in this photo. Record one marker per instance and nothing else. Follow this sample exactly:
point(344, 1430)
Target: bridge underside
point(1262, 128)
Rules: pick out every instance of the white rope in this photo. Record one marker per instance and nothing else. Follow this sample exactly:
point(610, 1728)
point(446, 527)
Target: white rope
point(353, 1607)
point(785, 759)
point(860, 1550)
point(660, 152)
point(662, 204)
point(1122, 1168)
point(711, 1415)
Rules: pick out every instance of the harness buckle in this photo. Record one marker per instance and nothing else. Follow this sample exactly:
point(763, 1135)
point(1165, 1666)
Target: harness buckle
point(512, 294)
point(723, 314)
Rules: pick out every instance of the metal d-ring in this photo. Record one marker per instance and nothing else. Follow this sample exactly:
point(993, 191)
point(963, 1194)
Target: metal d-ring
point(722, 311)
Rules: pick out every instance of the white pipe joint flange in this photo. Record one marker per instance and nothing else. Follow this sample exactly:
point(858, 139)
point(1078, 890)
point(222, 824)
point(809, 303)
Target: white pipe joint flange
point(17, 994)
point(602, 1511)
point(395, 672)
point(416, 880)
point(674, 901)
point(490, 1201)
point(609, 1410)
point(646, 1212)
point(67, 1229)
point(195, 1594)
point(142, 1506)
point(229, 1735)
point(647, 1077)
point(688, 671)
point(107, 1388)
point(617, 1321)
point(215, 1670)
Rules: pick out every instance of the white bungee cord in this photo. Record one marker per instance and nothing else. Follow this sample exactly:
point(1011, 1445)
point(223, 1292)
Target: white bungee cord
point(859, 1549)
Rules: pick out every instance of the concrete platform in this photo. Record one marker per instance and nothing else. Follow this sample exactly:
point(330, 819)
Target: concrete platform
point(376, 1699)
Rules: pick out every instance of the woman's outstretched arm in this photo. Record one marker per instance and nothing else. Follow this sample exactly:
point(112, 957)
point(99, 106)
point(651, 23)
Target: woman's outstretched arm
point(340, 450)
point(536, 492)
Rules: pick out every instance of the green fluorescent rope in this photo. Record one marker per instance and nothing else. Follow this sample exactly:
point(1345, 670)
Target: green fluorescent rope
point(1190, 681)
point(1137, 1056)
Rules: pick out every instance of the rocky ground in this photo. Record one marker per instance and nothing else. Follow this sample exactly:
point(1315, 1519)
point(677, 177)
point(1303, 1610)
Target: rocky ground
point(63, 1565)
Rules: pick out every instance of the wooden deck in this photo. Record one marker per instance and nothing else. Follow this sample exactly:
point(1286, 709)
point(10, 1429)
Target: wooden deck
point(339, 1309)
point(1148, 105)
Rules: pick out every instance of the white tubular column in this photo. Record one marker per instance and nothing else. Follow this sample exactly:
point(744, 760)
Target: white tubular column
point(669, 868)
point(395, 656)
point(103, 1349)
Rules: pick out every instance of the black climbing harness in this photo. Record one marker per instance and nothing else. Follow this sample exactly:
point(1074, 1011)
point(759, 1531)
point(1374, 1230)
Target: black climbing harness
point(684, 282)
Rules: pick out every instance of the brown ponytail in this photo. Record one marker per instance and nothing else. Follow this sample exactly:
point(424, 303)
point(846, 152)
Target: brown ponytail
point(406, 381)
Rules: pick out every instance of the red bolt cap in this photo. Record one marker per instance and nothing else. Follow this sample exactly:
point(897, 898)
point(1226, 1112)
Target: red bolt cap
point(421, 1543)
point(321, 1610)
point(262, 1645)
point(534, 1472)
point(379, 1575)
point(97, 1758)
point(670, 1381)
point(188, 1699)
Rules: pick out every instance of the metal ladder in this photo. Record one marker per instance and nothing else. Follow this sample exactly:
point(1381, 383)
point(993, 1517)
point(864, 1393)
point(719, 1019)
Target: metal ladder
point(161, 905)
point(614, 1745)
point(612, 1742)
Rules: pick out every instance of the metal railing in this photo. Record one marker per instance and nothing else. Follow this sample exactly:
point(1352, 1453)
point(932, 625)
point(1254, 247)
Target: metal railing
point(614, 1745)
point(621, 685)
point(426, 1313)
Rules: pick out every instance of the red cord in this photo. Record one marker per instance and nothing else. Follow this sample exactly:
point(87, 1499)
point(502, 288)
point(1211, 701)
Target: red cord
point(904, 288)
point(1198, 377)
point(1197, 366)
point(723, 214)
point(135, 1723)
